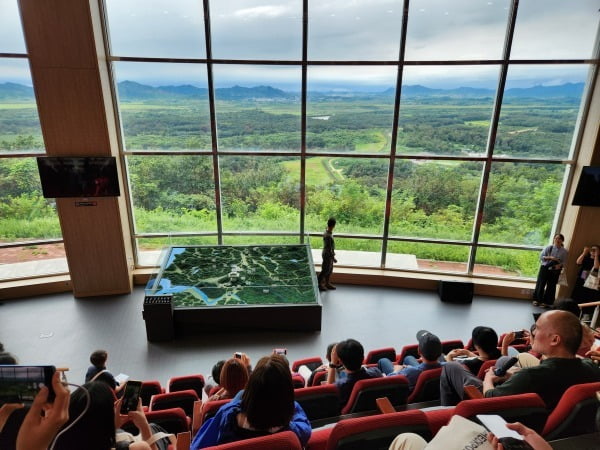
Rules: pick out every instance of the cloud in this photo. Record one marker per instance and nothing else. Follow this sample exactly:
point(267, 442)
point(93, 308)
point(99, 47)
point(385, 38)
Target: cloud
point(257, 12)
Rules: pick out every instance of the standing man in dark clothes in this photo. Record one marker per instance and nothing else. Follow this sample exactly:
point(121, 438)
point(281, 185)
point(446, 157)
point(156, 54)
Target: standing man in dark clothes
point(328, 255)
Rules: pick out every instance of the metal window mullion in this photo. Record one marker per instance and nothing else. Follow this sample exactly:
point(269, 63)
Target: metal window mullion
point(303, 120)
point(394, 139)
point(213, 123)
point(491, 142)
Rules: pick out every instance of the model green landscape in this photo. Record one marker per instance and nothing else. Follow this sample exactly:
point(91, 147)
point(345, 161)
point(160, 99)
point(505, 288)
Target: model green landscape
point(237, 275)
point(431, 199)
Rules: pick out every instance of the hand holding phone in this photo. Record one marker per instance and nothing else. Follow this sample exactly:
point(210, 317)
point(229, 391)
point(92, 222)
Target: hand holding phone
point(20, 384)
point(130, 399)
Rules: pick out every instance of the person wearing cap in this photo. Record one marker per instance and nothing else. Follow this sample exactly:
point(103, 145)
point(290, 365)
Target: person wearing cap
point(430, 349)
point(485, 341)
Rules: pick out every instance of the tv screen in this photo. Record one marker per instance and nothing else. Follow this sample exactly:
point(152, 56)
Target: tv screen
point(588, 188)
point(78, 176)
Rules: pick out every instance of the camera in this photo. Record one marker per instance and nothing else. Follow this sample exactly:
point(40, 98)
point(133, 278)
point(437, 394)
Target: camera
point(280, 351)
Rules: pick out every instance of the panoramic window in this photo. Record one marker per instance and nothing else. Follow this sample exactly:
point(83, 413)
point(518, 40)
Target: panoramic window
point(247, 142)
point(30, 236)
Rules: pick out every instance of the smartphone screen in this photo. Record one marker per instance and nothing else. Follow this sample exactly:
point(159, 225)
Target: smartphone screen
point(131, 396)
point(20, 384)
point(497, 425)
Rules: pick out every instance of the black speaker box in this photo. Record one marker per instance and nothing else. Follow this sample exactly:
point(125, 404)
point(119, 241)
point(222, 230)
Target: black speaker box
point(455, 291)
point(158, 314)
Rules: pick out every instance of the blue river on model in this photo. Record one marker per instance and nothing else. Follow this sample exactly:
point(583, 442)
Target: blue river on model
point(166, 288)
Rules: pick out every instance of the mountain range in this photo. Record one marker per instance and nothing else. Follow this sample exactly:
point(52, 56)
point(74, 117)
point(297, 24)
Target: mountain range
point(132, 91)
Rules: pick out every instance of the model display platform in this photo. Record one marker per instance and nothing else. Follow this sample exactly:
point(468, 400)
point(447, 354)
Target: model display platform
point(208, 288)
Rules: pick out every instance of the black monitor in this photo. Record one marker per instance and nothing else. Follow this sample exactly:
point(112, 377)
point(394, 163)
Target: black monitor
point(75, 176)
point(588, 188)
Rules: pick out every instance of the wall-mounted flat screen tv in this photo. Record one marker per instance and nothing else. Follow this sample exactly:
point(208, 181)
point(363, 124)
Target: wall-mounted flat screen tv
point(65, 176)
point(588, 188)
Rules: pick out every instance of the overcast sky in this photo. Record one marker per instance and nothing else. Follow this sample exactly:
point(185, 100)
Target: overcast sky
point(337, 30)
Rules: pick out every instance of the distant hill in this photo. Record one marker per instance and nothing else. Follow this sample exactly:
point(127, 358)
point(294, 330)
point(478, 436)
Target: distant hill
point(538, 91)
point(14, 91)
point(132, 91)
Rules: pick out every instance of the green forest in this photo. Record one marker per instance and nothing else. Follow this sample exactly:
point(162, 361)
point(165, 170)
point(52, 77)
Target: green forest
point(430, 199)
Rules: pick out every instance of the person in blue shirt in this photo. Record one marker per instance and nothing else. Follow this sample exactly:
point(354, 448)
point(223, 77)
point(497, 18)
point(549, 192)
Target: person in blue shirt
point(430, 349)
point(266, 406)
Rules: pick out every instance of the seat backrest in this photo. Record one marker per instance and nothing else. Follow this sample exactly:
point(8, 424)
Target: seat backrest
point(451, 345)
point(375, 355)
point(298, 381)
point(209, 409)
point(366, 392)
point(529, 409)
point(319, 377)
point(575, 412)
point(180, 399)
point(173, 420)
point(284, 440)
point(149, 388)
point(484, 367)
point(311, 363)
point(195, 382)
point(412, 349)
point(319, 402)
point(427, 387)
point(377, 432)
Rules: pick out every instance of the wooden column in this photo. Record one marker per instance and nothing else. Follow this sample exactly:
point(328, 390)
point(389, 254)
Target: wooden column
point(581, 223)
point(68, 68)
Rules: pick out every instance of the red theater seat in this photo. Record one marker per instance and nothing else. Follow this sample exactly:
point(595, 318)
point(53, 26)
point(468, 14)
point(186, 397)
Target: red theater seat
point(173, 420)
point(366, 392)
point(575, 413)
point(311, 363)
point(319, 378)
point(412, 350)
point(285, 440)
point(181, 399)
point(529, 409)
point(377, 432)
point(195, 382)
point(451, 344)
point(427, 387)
point(150, 388)
point(375, 355)
point(319, 402)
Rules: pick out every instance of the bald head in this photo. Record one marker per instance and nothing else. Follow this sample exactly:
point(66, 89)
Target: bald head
point(559, 333)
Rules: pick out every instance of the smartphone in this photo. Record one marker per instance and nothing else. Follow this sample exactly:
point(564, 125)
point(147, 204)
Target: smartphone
point(519, 334)
point(20, 384)
point(131, 396)
point(497, 425)
point(501, 371)
point(510, 439)
point(238, 355)
point(280, 351)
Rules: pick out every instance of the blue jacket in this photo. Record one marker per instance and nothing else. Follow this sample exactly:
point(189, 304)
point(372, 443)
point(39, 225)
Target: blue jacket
point(222, 427)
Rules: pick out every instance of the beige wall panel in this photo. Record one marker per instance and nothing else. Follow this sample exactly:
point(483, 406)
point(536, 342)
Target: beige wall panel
point(58, 33)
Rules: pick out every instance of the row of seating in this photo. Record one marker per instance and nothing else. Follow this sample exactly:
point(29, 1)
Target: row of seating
point(575, 414)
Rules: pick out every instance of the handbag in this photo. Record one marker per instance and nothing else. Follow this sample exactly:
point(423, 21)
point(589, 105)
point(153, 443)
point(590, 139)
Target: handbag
point(591, 282)
point(562, 278)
